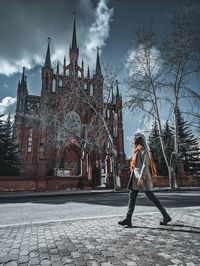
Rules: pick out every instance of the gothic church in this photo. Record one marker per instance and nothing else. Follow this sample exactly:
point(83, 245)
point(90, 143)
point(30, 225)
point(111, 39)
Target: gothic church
point(61, 151)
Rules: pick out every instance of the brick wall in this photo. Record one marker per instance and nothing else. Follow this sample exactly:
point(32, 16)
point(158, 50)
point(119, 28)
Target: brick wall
point(184, 181)
point(17, 183)
point(42, 183)
point(59, 183)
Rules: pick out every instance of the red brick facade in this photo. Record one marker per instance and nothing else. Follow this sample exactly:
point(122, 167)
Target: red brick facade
point(9, 184)
point(48, 150)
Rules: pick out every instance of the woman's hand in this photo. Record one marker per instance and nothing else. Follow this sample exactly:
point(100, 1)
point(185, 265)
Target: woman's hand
point(140, 182)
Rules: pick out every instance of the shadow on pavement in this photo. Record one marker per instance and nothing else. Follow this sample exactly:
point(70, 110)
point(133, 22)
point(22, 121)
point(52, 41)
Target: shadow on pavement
point(108, 199)
point(170, 227)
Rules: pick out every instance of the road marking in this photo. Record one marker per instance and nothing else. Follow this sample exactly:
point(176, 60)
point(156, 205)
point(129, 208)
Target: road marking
point(93, 217)
point(75, 219)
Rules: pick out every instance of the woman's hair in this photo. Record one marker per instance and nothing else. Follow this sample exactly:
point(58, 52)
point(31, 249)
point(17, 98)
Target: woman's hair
point(140, 141)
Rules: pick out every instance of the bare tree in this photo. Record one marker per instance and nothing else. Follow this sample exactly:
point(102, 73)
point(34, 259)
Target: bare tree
point(97, 132)
point(146, 81)
point(182, 59)
point(159, 72)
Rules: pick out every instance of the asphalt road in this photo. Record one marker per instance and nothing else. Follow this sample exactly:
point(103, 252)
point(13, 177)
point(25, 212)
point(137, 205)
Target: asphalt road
point(59, 207)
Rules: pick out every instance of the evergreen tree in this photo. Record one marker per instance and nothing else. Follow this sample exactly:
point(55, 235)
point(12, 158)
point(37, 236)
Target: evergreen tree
point(189, 151)
point(168, 139)
point(156, 150)
point(9, 152)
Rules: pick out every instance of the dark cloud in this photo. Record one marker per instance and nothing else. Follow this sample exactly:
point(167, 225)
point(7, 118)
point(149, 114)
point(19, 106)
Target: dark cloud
point(25, 26)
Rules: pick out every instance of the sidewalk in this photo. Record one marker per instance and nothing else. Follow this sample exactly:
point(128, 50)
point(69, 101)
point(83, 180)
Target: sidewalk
point(21, 194)
point(101, 241)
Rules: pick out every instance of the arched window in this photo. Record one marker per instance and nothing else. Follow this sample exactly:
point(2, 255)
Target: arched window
point(30, 139)
point(72, 124)
point(79, 74)
point(91, 90)
point(54, 85)
point(20, 105)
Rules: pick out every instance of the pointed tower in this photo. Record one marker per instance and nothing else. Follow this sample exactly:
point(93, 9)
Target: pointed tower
point(88, 80)
point(98, 65)
point(47, 73)
point(112, 96)
point(88, 73)
point(22, 93)
point(74, 51)
point(47, 63)
point(98, 79)
point(117, 94)
point(120, 130)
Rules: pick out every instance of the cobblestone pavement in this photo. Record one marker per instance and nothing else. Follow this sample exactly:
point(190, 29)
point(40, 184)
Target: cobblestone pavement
point(101, 241)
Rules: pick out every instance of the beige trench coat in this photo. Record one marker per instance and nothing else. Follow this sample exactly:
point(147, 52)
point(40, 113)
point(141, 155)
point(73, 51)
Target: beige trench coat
point(141, 171)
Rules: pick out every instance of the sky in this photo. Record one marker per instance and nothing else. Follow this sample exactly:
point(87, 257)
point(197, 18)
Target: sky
point(25, 26)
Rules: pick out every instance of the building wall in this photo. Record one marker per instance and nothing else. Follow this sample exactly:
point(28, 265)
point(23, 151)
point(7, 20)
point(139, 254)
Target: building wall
point(9, 184)
point(37, 136)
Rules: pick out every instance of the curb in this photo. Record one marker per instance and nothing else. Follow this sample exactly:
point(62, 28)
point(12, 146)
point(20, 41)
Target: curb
point(25, 194)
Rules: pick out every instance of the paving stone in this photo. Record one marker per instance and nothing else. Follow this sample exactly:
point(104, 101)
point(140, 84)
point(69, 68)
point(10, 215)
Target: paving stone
point(45, 263)
point(55, 258)
point(92, 263)
point(23, 259)
point(44, 256)
point(79, 261)
point(89, 242)
point(34, 261)
point(11, 263)
point(67, 261)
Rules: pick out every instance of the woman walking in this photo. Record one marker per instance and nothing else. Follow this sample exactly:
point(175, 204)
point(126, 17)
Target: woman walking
point(141, 180)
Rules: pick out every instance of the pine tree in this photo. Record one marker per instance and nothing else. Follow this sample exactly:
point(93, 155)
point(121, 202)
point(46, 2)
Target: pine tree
point(9, 155)
point(156, 150)
point(189, 151)
point(168, 138)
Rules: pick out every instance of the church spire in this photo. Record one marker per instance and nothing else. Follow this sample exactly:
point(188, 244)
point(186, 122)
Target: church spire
point(47, 63)
point(74, 50)
point(117, 95)
point(74, 41)
point(22, 86)
point(112, 96)
point(98, 65)
point(58, 68)
point(88, 72)
point(23, 79)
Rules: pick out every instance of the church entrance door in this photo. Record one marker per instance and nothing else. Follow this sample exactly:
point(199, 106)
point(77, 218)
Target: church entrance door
point(72, 160)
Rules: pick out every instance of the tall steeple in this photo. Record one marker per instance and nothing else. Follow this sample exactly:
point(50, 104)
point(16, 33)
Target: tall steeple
point(98, 65)
point(88, 73)
point(74, 42)
point(22, 92)
point(117, 94)
point(74, 50)
point(112, 96)
point(58, 68)
point(47, 73)
point(47, 63)
point(22, 86)
point(23, 79)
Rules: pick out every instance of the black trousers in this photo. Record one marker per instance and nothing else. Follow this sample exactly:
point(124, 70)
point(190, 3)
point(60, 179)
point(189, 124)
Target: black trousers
point(132, 200)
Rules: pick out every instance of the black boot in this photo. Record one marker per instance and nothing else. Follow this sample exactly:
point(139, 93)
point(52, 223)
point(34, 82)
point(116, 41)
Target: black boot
point(126, 221)
point(166, 219)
